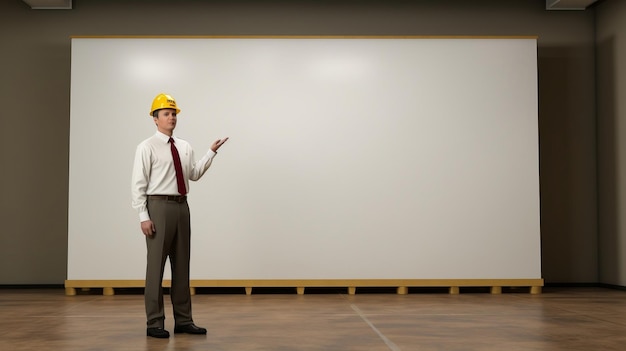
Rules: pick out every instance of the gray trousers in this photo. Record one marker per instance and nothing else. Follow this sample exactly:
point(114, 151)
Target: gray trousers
point(172, 238)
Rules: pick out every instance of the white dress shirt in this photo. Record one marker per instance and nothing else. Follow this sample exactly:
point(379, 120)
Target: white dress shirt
point(154, 173)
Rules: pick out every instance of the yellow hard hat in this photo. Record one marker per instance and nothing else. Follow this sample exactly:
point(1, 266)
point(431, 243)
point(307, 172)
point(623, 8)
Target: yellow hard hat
point(163, 101)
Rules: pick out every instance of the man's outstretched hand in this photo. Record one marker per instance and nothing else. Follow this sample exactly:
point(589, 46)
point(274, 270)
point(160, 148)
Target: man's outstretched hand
point(219, 142)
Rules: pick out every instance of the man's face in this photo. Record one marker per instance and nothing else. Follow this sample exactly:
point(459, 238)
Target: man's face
point(166, 120)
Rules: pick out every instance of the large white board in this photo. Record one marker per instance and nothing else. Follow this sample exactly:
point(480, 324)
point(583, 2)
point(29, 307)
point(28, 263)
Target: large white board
point(353, 158)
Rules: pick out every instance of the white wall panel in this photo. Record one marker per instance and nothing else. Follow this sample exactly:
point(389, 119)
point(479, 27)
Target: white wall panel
point(348, 158)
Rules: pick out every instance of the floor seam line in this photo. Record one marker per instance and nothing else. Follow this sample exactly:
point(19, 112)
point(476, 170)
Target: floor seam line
point(388, 342)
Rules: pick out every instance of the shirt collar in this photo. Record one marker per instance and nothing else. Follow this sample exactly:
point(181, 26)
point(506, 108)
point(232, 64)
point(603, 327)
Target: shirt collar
point(164, 137)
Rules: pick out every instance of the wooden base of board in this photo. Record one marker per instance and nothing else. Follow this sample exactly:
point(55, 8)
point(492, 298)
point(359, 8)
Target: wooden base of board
point(402, 286)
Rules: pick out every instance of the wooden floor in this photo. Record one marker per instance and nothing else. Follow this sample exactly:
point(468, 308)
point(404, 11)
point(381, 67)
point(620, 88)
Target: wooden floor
point(558, 319)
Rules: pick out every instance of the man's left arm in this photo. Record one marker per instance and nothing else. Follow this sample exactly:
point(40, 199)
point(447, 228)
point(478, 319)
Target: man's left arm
point(200, 167)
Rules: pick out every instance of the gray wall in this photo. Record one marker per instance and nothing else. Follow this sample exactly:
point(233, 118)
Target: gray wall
point(611, 78)
point(35, 87)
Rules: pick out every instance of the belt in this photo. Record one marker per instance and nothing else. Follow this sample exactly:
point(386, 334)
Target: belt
point(177, 198)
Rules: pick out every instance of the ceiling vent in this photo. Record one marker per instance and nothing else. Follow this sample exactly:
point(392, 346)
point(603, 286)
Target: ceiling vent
point(568, 4)
point(49, 4)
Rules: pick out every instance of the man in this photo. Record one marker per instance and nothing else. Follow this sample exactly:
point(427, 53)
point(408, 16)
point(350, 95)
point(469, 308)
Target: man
point(163, 166)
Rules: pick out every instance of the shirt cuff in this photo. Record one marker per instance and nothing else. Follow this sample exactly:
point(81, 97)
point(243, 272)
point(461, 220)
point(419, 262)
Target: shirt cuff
point(144, 216)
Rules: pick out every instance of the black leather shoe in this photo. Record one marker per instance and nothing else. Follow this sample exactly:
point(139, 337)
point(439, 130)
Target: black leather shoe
point(158, 333)
point(189, 329)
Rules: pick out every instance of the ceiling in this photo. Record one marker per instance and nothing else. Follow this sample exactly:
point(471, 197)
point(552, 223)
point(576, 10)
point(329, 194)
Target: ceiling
point(550, 4)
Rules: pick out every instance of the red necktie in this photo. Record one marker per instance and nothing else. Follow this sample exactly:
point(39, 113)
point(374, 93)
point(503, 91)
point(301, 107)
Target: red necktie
point(179, 169)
